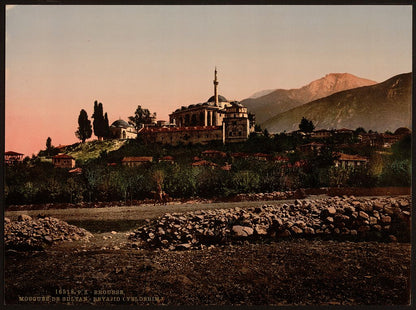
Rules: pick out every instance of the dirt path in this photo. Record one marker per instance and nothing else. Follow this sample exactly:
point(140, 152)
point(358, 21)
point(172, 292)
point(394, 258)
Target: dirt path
point(136, 212)
point(297, 272)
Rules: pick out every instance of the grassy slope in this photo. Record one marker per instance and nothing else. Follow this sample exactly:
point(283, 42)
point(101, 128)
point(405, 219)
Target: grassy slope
point(93, 149)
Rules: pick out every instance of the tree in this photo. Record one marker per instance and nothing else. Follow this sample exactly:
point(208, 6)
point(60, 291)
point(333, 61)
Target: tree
point(48, 144)
point(141, 116)
point(360, 130)
point(306, 125)
point(84, 131)
point(106, 126)
point(100, 123)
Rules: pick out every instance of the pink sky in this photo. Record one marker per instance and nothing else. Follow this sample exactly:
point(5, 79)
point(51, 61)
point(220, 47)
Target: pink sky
point(59, 59)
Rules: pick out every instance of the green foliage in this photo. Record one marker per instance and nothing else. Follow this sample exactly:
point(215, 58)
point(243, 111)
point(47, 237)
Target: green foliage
point(141, 116)
point(359, 130)
point(403, 148)
point(306, 125)
point(35, 181)
point(84, 126)
point(397, 173)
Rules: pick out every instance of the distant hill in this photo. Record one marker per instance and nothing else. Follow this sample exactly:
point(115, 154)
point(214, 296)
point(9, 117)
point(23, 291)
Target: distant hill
point(261, 93)
point(281, 100)
point(380, 107)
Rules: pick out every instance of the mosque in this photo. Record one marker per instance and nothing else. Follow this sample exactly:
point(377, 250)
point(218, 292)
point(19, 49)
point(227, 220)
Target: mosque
point(217, 119)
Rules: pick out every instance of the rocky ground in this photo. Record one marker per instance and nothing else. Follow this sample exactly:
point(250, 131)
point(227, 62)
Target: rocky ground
point(29, 233)
point(381, 219)
point(293, 253)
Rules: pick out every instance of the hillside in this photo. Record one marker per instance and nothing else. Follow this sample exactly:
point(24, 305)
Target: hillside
point(281, 100)
point(380, 107)
point(93, 149)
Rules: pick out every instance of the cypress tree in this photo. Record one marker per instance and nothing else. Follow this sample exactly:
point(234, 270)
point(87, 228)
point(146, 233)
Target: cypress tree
point(98, 123)
point(106, 127)
point(84, 127)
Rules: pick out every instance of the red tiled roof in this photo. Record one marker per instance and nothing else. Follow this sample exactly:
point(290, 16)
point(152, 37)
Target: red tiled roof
point(178, 129)
point(280, 158)
point(12, 153)
point(350, 157)
point(63, 156)
point(226, 167)
point(138, 159)
point(261, 155)
point(167, 158)
point(313, 144)
point(322, 130)
point(214, 152)
point(239, 155)
point(76, 170)
point(204, 163)
point(299, 163)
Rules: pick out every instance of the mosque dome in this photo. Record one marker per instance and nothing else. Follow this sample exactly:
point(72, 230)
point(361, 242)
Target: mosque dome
point(220, 99)
point(120, 124)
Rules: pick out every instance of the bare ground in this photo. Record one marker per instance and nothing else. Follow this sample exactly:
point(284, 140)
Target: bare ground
point(286, 272)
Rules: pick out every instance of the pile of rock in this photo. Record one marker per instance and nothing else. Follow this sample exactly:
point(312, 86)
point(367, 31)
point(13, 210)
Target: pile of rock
point(297, 194)
point(29, 233)
point(382, 218)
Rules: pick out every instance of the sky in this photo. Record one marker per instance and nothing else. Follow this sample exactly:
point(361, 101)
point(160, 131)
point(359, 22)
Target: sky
point(60, 59)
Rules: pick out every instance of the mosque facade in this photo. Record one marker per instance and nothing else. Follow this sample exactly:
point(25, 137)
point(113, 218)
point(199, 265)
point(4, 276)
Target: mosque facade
point(217, 119)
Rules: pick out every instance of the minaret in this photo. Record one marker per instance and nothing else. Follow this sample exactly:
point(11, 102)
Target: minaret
point(216, 88)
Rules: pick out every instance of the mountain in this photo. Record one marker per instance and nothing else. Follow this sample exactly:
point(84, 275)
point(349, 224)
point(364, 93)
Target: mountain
point(281, 100)
point(261, 93)
point(380, 107)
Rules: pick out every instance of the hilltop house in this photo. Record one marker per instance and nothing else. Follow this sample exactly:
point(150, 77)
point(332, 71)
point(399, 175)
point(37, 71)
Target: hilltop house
point(136, 161)
point(11, 158)
point(63, 161)
point(347, 160)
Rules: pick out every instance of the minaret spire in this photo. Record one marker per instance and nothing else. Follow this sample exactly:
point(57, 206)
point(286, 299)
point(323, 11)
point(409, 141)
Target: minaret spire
point(216, 87)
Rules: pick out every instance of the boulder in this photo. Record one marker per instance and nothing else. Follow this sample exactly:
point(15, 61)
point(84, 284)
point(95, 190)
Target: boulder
point(242, 231)
point(24, 217)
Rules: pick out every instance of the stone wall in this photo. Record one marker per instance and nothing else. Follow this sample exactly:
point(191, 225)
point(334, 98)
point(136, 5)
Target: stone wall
point(381, 219)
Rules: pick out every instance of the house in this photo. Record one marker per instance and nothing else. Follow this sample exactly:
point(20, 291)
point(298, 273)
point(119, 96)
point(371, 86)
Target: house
point(136, 161)
point(63, 161)
point(167, 159)
point(347, 160)
point(213, 154)
point(311, 147)
point(204, 163)
point(296, 165)
point(261, 156)
point(388, 140)
point(11, 158)
point(378, 139)
point(239, 155)
point(344, 131)
point(371, 139)
point(321, 134)
point(280, 159)
point(226, 167)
